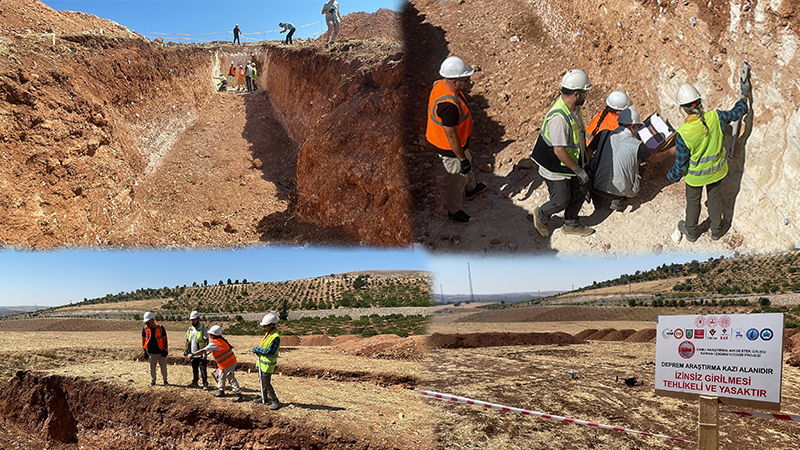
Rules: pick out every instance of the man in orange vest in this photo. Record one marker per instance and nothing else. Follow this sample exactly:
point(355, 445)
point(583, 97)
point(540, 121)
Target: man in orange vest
point(226, 362)
point(154, 343)
point(448, 130)
point(231, 74)
point(607, 119)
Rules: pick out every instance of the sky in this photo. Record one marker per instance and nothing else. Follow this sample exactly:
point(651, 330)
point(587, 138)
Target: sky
point(56, 278)
point(514, 273)
point(198, 17)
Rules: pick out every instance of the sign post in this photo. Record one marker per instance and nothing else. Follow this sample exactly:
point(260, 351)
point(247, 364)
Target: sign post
point(708, 423)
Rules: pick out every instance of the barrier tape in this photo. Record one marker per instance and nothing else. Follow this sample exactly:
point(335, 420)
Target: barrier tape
point(766, 415)
point(525, 412)
point(137, 433)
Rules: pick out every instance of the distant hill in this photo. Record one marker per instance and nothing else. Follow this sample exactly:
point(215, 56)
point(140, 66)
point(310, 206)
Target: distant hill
point(11, 310)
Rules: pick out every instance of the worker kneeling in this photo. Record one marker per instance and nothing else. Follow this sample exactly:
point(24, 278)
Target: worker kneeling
point(615, 166)
point(267, 353)
point(226, 362)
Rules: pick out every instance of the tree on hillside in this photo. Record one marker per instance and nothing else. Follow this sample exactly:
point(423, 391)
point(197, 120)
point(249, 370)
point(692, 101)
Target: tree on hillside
point(283, 314)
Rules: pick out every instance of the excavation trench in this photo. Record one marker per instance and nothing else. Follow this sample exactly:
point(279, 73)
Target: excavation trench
point(57, 410)
point(116, 141)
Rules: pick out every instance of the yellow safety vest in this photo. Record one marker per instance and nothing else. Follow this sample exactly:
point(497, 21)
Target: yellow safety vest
point(267, 364)
point(707, 162)
point(543, 153)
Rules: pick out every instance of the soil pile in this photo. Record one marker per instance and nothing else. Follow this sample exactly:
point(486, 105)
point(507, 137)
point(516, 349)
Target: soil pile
point(646, 335)
point(290, 341)
point(476, 340)
point(601, 334)
point(316, 340)
point(619, 335)
point(382, 24)
point(585, 333)
point(32, 16)
point(386, 346)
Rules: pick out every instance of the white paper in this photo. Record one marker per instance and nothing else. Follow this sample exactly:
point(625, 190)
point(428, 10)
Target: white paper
point(654, 131)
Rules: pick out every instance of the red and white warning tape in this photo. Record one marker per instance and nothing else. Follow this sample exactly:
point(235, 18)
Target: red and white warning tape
point(525, 412)
point(767, 415)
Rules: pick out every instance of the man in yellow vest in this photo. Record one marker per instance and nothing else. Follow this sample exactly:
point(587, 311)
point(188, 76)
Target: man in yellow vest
point(448, 130)
point(700, 157)
point(267, 353)
point(226, 362)
point(154, 343)
point(197, 338)
point(561, 155)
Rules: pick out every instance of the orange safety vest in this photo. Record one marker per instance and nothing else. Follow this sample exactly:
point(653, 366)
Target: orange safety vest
point(232, 71)
point(435, 130)
point(160, 338)
point(604, 120)
point(241, 74)
point(224, 356)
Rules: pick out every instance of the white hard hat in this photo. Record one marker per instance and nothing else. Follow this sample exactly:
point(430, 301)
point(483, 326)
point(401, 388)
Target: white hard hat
point(216, 330)
point(148, 316)
point(618, 100)
point(629, 116)
point(194, 315)
point(248, 62)
point(269, 319)
point(687, 94)
point(455, 67)
point(576, 80)
point(232, 63)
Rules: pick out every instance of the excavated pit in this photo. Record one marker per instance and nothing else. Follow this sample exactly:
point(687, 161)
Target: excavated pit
point(108, 139)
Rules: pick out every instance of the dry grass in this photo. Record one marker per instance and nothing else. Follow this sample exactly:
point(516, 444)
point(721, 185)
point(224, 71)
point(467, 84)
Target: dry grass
point(645, 287)
point(138, 305)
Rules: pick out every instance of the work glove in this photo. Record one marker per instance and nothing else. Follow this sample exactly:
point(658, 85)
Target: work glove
point(164, 353)
point(146, 357)
point(745, 88)
point(466, 167)
point(186, 352)
point(582, 175)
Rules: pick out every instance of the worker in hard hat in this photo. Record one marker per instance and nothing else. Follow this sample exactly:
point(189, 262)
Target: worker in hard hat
point(231, 74)
point(240, 78)
point(267, 353)
point(616, 158)
point(223, 83)
point(699, 157)
point(154, 343)
point(448, 131)
point(332, 17)
point(226, 362)
point(607, 118)
point(287, 26)
point(248, 76)
point(236, 33)
point(197, 338)
point(560, 152)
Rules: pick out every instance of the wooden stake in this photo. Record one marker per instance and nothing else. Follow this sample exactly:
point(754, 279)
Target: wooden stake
point(708, 423)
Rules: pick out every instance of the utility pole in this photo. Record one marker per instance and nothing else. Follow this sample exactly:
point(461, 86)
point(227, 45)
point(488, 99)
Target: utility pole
point(441, 291)
point(471, 294)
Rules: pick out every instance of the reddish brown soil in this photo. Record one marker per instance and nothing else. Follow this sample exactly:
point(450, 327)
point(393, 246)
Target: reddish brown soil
point(585, 333)
point(477, 340)
point(601, 334)
point(315, 340)
point(382, 24)
point(66, 410)
point(619, 335)
point(646, 335)
point(290, 340)
point(386, 346)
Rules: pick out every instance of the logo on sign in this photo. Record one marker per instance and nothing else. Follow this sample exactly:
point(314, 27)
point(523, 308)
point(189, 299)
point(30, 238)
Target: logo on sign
point(666, 333)
point(688, 333)
point(712, 321)
point(699, 334)
point(725, 322)
point(766, 334)
point(712, 332)
point(752, 334)
point(678, 333)
point(700, 321)
point(738, 334)
point(686, 349)
point(724, 336)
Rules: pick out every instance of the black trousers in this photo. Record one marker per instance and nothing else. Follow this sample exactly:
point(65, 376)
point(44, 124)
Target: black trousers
point(289, 37)
point(249, 83)
point(201, 364)
point(236, 39)
point(693, 197)
point(565, 195)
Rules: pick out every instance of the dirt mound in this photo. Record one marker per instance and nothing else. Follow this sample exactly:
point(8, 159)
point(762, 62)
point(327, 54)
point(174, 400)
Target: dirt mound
point(619, 335)
point(339, 340)
point(646, 335)
point(290, 341)
point(386, 346)
point(586, 333)
point(601, 334)
point(315, 340)
point(382, 24)
point(476, 340)
point(33, 16)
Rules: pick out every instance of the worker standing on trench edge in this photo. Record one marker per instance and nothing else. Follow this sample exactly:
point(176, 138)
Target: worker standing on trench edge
point(287, 26)
point(154, 343)
point(267, 354)
point(615, 165)
point(448, 130)
point(236, 33)
point(560, 152)
point(226, 362)
point(332, 18)
point(197, 338)
point(607, 118)
point(700, 157)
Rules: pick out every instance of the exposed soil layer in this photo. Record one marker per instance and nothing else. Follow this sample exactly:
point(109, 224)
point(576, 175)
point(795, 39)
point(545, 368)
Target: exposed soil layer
point(476, 340)
point(65, 410)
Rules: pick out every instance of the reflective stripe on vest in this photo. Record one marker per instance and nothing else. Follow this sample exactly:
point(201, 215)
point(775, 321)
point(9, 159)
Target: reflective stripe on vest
point(232, 71)
point(162, 345)
point(707, 162)
point(434, 132)
point(224, 356)
point(268, 363)
point(545, 156)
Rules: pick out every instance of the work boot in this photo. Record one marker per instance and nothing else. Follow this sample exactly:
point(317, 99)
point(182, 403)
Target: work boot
point(578, 230)
point(540, 226)
point(193, 385)
point(479, 188)
point(275, 405)
point(220, 393)
point(237, 398)
point(258, 400)
point(682, 229)
point(165, 383)
point(461, 217)
point(618, 204)
point(206, 386)
point(153, 383)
